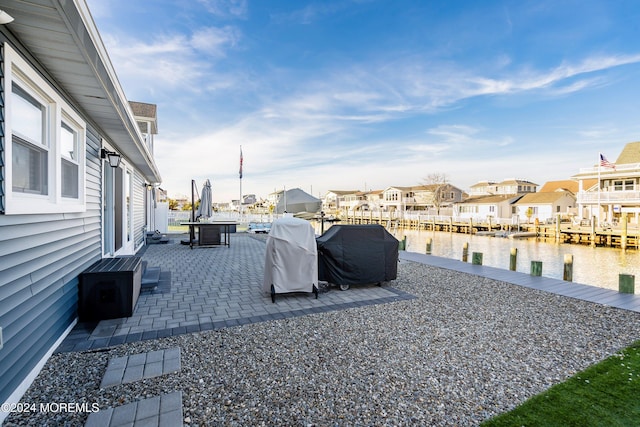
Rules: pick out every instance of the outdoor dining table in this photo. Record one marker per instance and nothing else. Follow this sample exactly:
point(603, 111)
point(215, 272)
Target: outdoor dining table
point(212, 233)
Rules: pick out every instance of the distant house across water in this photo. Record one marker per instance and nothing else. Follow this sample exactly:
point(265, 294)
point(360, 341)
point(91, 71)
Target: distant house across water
point(610, 191)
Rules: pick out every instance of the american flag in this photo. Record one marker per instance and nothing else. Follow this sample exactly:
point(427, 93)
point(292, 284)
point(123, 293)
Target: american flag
point(606, 163)
point(240, 162)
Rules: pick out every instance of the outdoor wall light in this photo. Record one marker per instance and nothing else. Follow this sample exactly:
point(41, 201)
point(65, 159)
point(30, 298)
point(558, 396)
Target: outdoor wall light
point(5, 18)
point(114, 158)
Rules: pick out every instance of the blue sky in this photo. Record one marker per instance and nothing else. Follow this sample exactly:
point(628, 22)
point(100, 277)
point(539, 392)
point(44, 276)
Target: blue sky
point(366, 94)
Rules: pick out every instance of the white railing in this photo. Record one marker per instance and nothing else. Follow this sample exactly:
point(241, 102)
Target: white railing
point(422, 217)
point(609, 197)
point(603, 170)
point(175, 218)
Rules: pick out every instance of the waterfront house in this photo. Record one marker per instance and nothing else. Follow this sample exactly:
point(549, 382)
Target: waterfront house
point(565, 185)
point(336, 200)
point(489, 207)
point(421, 197)
point(507, 187)
point(76, 176)
point(553, 198)
point(607, 192)
point(374, 199)
point(544, 206)
point(483, 188)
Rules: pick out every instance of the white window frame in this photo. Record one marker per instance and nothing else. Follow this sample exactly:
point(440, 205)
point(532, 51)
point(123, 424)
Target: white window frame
point(78, 133)
point(43, 144)
point(18, 71)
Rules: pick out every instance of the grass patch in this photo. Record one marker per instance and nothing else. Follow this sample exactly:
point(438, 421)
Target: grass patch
point(605, 394)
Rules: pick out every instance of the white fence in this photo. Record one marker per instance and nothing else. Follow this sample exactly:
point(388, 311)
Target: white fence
point(175, 218)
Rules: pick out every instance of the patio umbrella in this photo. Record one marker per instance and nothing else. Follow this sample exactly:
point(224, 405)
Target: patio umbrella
point(204, 210)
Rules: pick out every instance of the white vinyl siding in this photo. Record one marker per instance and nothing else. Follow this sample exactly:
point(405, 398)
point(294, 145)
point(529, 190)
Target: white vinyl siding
point(41, 257)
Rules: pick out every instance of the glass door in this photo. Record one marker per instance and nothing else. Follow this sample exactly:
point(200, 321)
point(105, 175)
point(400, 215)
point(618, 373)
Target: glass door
point(108, 217)
point(112, 219)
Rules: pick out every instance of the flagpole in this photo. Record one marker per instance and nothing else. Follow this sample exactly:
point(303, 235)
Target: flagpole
point(240, 199)
point(599, 167)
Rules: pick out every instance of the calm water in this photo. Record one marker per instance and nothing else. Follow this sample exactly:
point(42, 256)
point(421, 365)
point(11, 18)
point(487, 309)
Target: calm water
point(598, 266)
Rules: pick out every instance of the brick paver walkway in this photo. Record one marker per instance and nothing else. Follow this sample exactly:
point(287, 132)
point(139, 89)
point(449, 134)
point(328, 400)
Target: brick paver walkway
point(211, 288)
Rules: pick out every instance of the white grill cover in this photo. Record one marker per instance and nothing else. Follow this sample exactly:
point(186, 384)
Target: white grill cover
point(291, 258)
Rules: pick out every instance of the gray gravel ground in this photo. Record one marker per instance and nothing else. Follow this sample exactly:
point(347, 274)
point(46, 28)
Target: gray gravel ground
point(466, 349)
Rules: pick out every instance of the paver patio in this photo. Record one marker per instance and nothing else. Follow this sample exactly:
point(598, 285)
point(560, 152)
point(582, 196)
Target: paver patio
point(211, 288)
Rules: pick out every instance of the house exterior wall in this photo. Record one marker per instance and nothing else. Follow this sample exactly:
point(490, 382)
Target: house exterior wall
point(483, 188)
point(43, 254)
point(374, 200)
point(506, 187)
point(540, 212)
point(619, 192)
point(617, 189)
point(333, 201)
point(477, 211)
point(421, 198)
point(2, 127)
point(545, 211)
point(396, 199)
point(329, 201)
point(481, 211)
point(41, 257)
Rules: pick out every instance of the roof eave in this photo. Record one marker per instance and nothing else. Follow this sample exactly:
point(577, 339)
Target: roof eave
point(100, 96)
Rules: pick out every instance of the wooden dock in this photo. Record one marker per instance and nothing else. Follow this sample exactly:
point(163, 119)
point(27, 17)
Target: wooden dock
point(583, 292)
point(620, 237)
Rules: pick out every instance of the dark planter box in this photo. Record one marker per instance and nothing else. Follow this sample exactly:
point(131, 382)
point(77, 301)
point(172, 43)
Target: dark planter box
point(109, 289)
point(209, 235)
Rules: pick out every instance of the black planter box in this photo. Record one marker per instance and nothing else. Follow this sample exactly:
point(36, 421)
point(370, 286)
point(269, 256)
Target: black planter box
point(209, 235)
point(109, 289)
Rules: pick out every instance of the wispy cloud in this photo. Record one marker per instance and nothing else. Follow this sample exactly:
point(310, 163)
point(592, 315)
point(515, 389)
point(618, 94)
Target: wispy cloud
point(528, 80)
point(454, 133)
point(444, 139)
point(184, 62)
point(215, 41)
point(226, 8)
point(369, 94)
point(310, 13)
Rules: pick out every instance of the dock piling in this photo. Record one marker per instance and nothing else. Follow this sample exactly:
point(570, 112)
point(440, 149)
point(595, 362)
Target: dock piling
point(429, 242)
point(626, 283)
point(476, 258)
point(536, 268)
point(465, 252)
point(568, 268)
point(513, 259)
point(402, 245)
point(623, 237)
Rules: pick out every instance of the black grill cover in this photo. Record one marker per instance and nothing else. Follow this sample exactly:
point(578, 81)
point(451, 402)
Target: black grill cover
point(357, 254)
